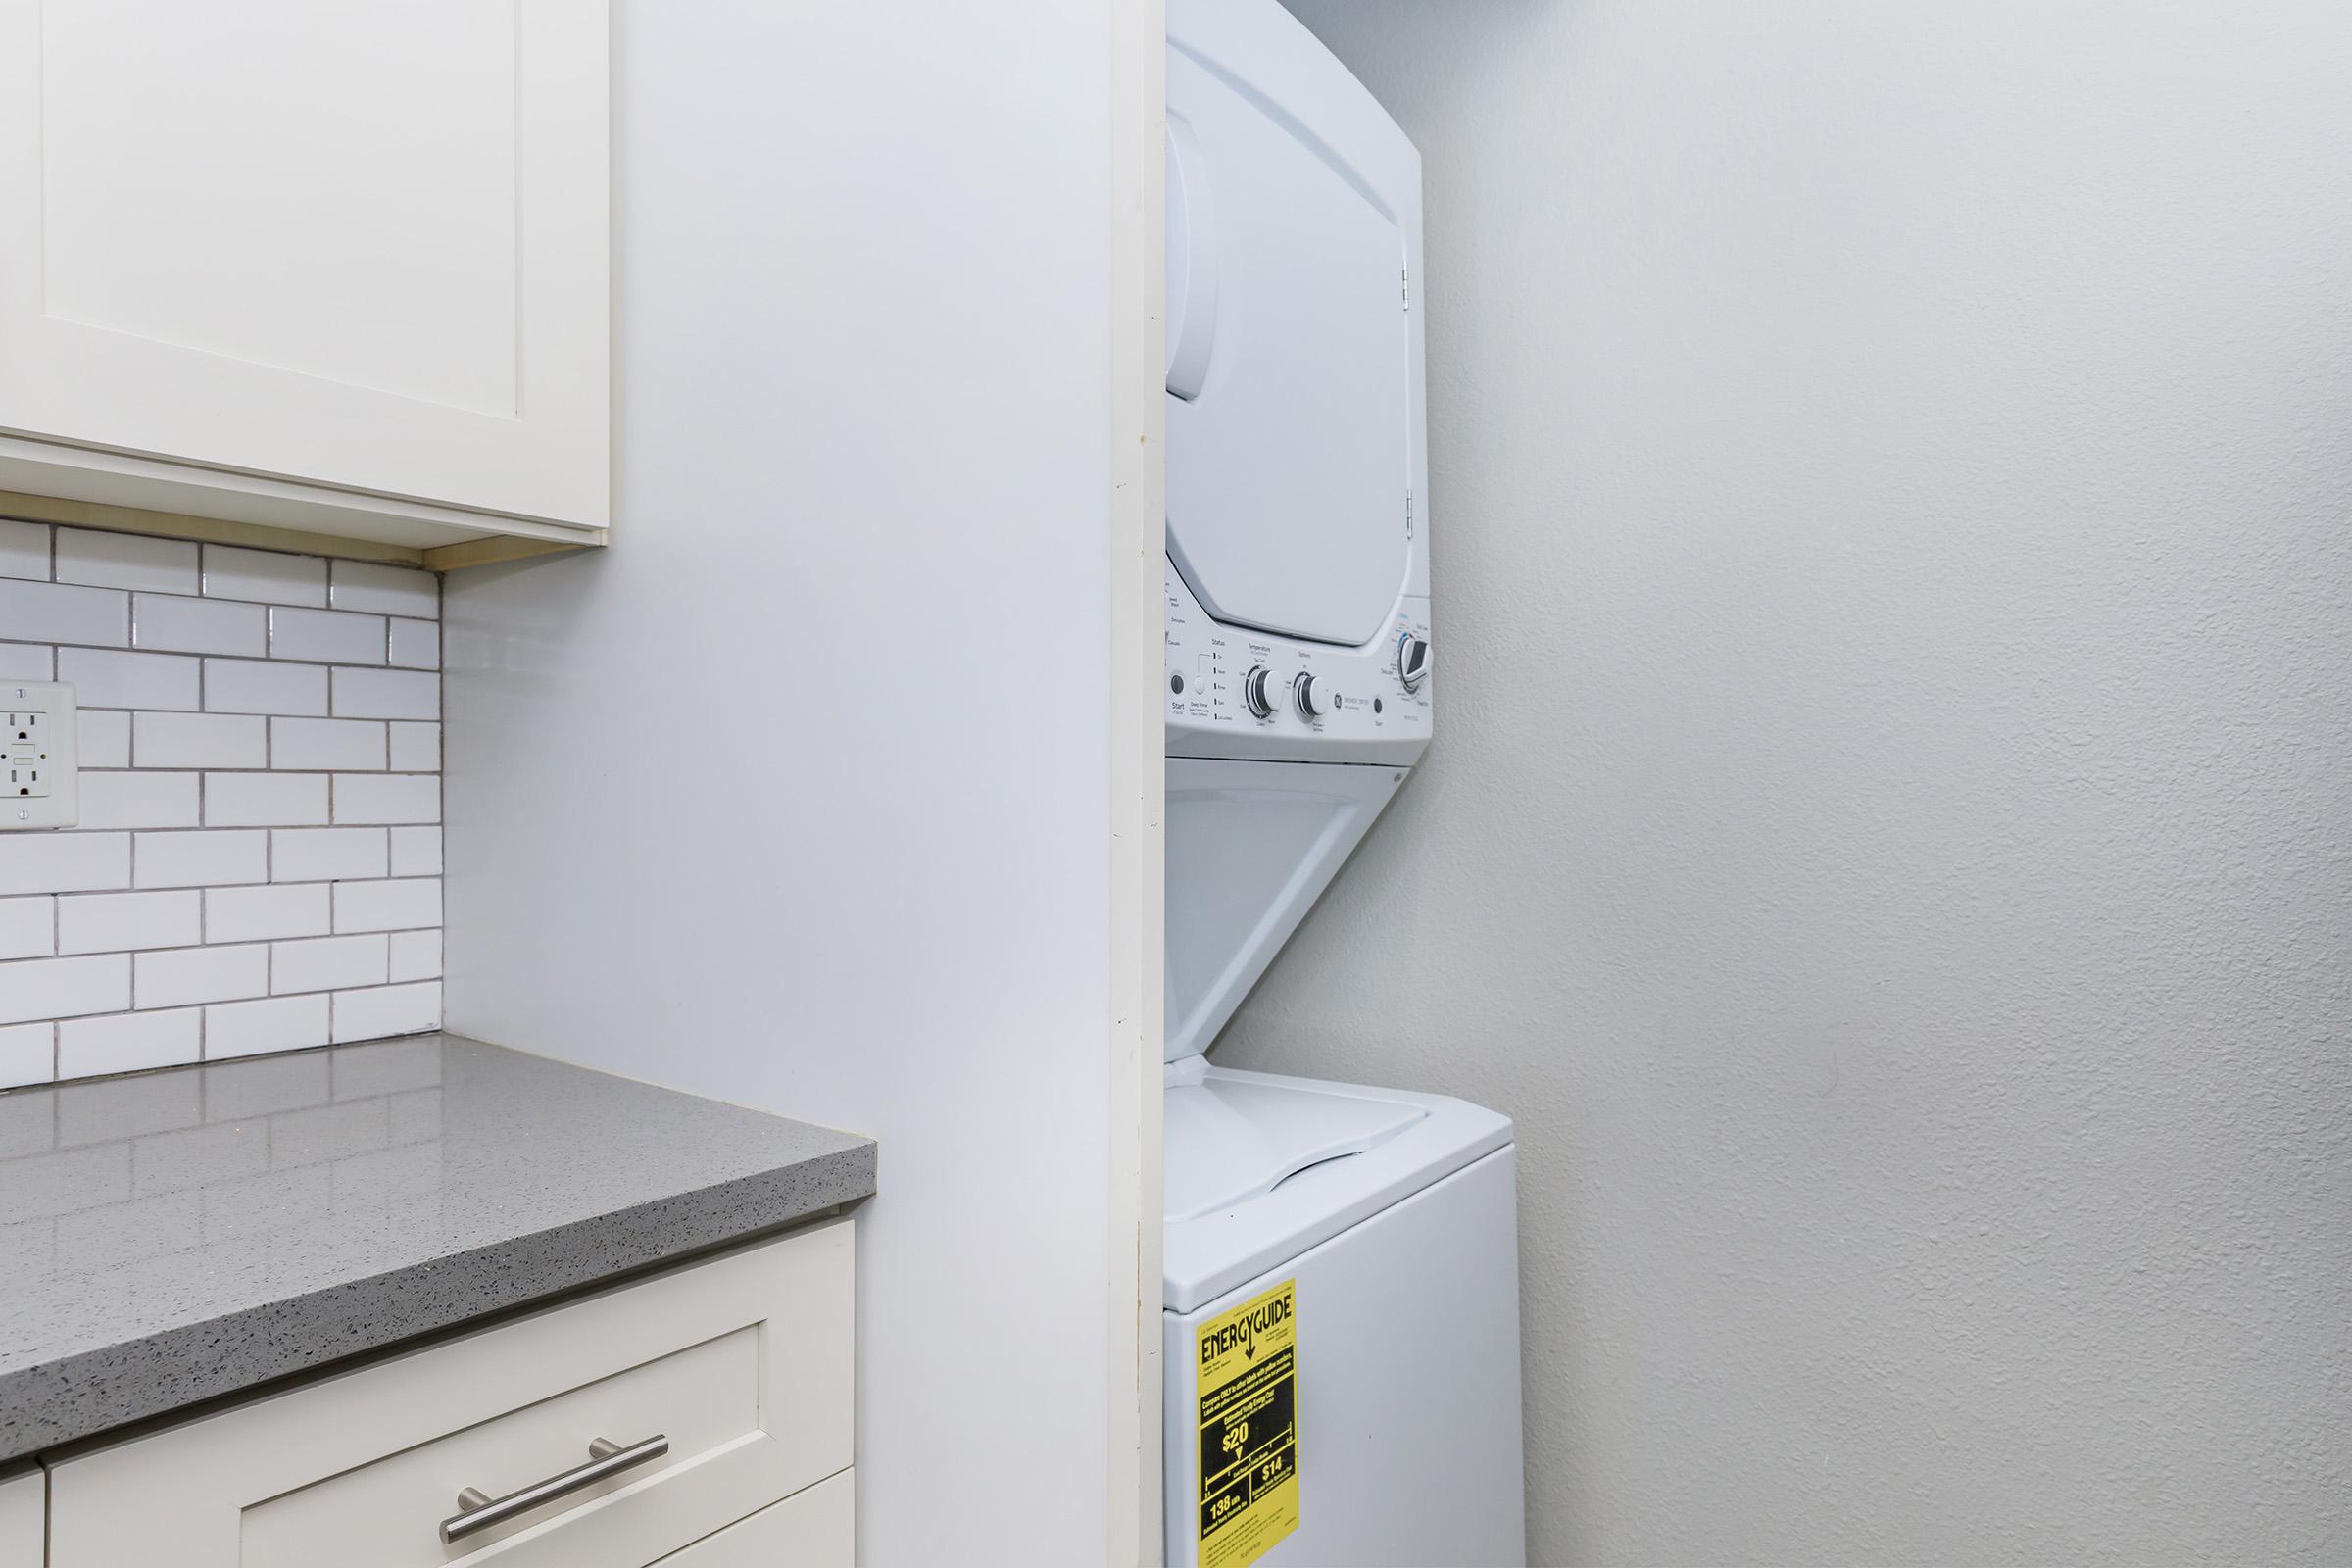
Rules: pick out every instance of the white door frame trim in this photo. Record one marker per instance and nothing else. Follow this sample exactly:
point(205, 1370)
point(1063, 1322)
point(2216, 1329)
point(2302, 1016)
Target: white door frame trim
point(1139, 531)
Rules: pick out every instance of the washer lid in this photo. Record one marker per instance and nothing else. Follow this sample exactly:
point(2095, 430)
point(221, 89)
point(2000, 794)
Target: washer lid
point(1261, 1167)
point(1232, 1137)
point(1290, 408)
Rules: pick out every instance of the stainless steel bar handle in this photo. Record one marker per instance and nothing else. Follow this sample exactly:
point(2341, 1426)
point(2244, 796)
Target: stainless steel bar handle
point(605, 1458)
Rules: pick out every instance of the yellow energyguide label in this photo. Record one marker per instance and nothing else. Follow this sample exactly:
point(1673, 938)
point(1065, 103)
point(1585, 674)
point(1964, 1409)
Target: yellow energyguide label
point(1249, 1359)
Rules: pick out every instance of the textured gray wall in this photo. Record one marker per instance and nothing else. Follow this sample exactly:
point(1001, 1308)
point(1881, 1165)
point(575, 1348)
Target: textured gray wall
point(1890, 836)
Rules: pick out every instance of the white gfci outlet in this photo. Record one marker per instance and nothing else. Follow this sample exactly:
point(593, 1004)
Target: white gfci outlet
point(40, 776)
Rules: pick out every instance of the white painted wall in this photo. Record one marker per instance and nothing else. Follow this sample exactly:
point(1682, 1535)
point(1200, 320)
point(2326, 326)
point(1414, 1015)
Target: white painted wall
point(1889, 837)
point(801, 795)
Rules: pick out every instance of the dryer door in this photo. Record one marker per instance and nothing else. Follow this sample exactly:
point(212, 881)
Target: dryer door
point(1250, 846)
point(1290, 403)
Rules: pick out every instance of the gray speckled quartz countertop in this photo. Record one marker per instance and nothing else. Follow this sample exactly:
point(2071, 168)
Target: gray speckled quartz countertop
point(176, 1235)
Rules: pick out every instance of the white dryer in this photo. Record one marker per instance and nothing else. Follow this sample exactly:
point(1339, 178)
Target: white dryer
point(1341, 1284)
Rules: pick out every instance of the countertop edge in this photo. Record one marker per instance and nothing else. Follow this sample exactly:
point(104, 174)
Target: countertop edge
point(196, 1363)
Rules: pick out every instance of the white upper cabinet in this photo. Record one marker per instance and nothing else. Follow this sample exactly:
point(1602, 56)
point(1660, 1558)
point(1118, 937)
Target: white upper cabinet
point(348, 256)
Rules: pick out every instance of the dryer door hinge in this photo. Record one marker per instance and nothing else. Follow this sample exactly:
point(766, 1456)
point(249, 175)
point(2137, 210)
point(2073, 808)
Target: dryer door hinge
point(1408, 513)
point(1406, 274)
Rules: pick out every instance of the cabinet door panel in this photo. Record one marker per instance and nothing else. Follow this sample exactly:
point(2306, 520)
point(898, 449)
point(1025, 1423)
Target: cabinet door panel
point(361, 245)
point(20, 1521)
point(816, 1529)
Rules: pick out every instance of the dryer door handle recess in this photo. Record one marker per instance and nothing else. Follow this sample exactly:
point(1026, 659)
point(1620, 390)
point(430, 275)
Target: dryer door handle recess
point(1192, 262)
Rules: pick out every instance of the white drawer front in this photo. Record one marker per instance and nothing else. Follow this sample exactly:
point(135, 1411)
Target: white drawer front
point(743, 1363)
point(818, 1528)
point(20, 1524)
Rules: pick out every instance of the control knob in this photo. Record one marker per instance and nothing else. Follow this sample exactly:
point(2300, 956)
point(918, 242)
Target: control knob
point(1412, 661)
point(1253, 693)
point(1312, 697)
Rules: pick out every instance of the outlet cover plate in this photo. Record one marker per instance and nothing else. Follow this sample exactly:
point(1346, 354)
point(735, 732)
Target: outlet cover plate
point(40, 776)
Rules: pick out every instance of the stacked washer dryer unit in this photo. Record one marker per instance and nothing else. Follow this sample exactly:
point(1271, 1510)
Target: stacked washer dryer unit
point(1363, 1239)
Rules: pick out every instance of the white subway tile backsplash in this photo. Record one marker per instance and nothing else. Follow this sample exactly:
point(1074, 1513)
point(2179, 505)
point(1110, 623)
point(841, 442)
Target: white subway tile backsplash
point(52, 613)
point(199, 740)
point(265, 799)
point(387, 798)
point(263, 574)
point(28, 662)
point(281, 1023)
point(415, 955)
point(327, 745)
point(103, 680)
point(131, 1042)
point(27, 1053)
point(395, 905)
point(23, 550)
point(267, 913)
point(63, 862)
point(178, 976)
point(104, 737)
point(34, 989)
point(125, 561)
point(387, 694)
point(328, 854)
point(329, 962)
point(415, 748)
point(387, 1010)
point(415, 851)
point(416, 644)
point(209, 859)
point(256, 866)
point(27, 927)
point(384, 590)
point(117, 922)
point(139, 800)
point(264, 686)
point(198, 625)
point(327, 636)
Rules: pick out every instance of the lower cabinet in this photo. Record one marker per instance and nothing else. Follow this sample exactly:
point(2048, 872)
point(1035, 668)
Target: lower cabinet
point(625, 1428)
point(21, 1520)
point(815, 1530)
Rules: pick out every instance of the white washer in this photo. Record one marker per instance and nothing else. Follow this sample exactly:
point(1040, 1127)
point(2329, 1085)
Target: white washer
point(1300, 693)
point(1390, 1216)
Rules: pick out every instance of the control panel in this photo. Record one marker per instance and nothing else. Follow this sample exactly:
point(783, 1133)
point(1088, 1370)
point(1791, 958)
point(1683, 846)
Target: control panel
point(40, 786)
point(1232, 691)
